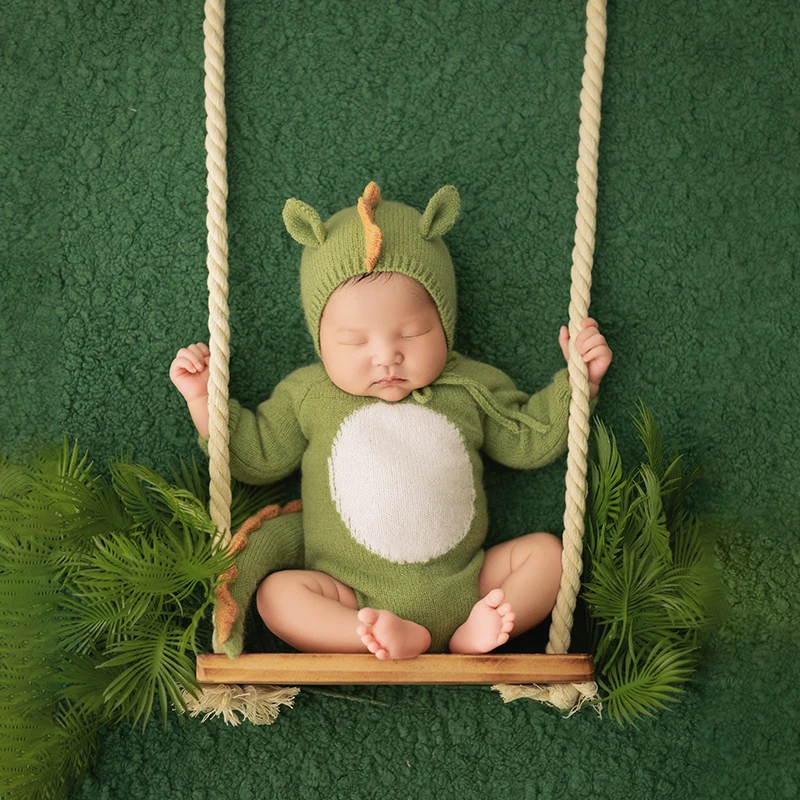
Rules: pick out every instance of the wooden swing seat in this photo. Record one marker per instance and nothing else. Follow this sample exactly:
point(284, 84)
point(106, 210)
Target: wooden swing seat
point(342, 669)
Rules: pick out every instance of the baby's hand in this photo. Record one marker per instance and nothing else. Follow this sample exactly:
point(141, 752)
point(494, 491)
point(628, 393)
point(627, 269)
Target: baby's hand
point(189, 371)
point(592, 346)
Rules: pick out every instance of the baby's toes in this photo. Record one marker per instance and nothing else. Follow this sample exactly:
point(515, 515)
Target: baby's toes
point(507, 626)
point(369, 616)
point(494, 598)
point(502, 638)
point(504, 609)
point(370, 642)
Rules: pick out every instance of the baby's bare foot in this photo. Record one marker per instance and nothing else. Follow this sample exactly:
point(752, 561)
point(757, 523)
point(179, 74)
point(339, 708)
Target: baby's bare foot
point(388, 636)
point(488, 626)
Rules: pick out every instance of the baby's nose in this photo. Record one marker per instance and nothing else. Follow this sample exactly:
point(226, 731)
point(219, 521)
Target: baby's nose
point(387, 356)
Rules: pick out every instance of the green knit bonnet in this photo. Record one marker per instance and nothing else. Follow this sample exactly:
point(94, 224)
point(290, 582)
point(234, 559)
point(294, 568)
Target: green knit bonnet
point(379, 236)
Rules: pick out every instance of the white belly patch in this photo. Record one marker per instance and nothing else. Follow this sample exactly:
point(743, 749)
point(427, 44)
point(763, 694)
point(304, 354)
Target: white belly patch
point(402, 481)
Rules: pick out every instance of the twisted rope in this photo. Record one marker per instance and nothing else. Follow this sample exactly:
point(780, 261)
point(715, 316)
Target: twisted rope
point(217, 261)
point(258, 704)
point(565, 695)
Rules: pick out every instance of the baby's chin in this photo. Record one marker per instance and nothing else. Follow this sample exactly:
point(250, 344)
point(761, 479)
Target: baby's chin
point(391, 394)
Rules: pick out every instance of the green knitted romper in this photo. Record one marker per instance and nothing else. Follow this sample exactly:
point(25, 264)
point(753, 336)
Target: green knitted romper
point(402, 525)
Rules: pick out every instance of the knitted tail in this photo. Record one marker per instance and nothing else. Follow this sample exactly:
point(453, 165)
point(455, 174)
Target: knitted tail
point(269, 541)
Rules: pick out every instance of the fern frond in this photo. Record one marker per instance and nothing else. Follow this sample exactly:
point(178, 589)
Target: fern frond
point(78, 737)
point(651, 588)
point(154, 666)
point(14, 480)
point(46, 753)
point(140, 504)
point(652, 535)
point(246, 499)
point(95, 572)
point(627, 596)
point(72, 465)
point(141, 565)
point(696, 596)
point(84, 685)
point(30, 515)
point(86, 509)
point(606, 495)
point(651, 437)
point(83, 622)
point(27, 769)
point(677, 491)
point(192, 480)
point(636, 690)
point(167, 567)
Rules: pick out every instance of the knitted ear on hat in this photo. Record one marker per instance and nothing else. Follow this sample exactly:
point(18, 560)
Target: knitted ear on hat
point(441, 213)
point(303, 223)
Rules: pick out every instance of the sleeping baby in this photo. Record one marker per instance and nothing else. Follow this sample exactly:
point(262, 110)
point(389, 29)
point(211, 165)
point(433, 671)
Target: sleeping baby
point(385, 554)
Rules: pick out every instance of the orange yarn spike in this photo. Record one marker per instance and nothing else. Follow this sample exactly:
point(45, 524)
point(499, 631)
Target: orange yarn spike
point(372, 233)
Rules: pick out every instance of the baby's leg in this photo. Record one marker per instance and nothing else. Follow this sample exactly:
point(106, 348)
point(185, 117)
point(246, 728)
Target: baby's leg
point(518, 583)
point(316, 613)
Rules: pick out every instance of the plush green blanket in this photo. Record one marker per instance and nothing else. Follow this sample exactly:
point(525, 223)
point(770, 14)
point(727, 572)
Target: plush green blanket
point(102, 269)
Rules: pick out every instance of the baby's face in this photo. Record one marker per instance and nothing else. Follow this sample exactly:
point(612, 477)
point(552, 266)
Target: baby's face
point(382, 337)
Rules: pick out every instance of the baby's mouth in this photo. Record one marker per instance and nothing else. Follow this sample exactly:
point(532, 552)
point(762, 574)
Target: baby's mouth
point(390, 381)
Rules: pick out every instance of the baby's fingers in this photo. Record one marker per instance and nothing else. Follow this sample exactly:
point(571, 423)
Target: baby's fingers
point(589, 341)
point(600, 353)
point(184, 364)
point(198, 354)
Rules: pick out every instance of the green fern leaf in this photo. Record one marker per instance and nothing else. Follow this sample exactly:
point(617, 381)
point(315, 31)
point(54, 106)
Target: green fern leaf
point(72, 465)
point(154, 666)
point(85, 621)
point(606, 486)
point(652, 535)
point(192, 480)
point(651, 589)
point(651, 437)
point(142, 507)
point(637, 689)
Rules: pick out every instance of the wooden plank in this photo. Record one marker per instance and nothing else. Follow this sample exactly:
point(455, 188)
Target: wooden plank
point(337, 668)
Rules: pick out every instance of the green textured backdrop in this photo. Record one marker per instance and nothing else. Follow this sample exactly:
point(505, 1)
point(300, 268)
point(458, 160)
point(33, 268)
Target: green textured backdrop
point(102, 279)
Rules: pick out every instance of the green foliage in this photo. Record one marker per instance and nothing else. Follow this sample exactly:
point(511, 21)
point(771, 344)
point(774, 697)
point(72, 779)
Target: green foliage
point(105, 585)
point(651, 588)
point(106, 581)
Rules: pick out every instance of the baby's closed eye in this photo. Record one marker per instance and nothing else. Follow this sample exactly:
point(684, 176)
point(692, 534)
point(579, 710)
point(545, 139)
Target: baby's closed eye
point(351, 338)
point(415, 334)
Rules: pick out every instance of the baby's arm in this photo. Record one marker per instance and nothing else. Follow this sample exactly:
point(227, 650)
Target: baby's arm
point(531, 431)
point(265, 446)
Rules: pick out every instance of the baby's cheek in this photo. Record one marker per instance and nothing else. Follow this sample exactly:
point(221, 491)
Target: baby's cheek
point(360, 369)
point(362, 362)
point(434, 360)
